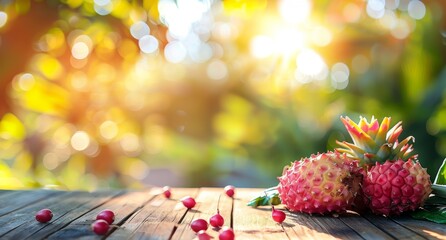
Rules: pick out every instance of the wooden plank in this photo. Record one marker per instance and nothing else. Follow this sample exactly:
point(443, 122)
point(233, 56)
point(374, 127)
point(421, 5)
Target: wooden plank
point(429, 230)
point(65, 211)
point(123, 206)
point(254, 223)
point(3, 192)
point(14, 200)
point(330, 225)
point(157, 219)
point(363, 227)
point(392, 228)
point(207, 201)
point(26, 214)
point(302, 226)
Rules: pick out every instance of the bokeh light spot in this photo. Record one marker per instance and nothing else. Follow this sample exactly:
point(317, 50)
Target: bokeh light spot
point(262, 46)
point(217, 70)
point(3, 18)
point(108, 130)
point(339, 75)
point(416, 9)
point(130, 143)
point(50, 161)
point(80, 141)
point(294, 11)
point(175, 52)
point(376, 8)
point(104, 7)
point(80, 50)
point(139, 29)
point(148, 44)
point(311, 64)
point(26, 81)
point(402, 29)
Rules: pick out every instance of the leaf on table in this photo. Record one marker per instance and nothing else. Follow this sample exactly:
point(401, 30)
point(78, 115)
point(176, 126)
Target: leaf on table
point(269, 197)
point(433, 213)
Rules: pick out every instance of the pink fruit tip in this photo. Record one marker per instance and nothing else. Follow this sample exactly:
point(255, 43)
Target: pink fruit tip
point(230, 190)
point(226, 234)
point(167, 191)
point(100, 227)
point(44, 215)
point(278, 215)
point(188, 202)
point(107, 215)
point(217, 220)
point(199, 224)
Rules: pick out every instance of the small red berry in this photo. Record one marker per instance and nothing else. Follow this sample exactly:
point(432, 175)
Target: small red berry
point(106, 215)
point(226, 234)
point(230, 190)
point(278, 216)
point(188, 202)
point(44, 215)
point(217, 220)
point(166, 191)
point(100, 227)
point(202, 235)
point(199, 224)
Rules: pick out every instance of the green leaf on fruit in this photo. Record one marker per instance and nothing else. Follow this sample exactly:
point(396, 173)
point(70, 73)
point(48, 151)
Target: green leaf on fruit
point(434, 213)
point(269, 197)
point(440, 179)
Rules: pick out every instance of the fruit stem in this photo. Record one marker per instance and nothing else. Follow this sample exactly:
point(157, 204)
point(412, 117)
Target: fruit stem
point(218, 204)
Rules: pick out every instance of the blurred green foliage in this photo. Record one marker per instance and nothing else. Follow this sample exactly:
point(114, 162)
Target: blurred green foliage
point(90, 99)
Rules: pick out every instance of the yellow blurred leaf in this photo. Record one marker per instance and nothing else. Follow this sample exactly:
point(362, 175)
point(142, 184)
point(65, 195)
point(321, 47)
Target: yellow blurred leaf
point(49, 66)
point(244, 6)
point(11, 127)
point(121, 9)
point(73, 3)
point(151, 6)
point(46, 97)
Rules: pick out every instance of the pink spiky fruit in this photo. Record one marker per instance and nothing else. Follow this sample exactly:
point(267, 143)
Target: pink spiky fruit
point(394, 180)
point(322, 183)
point(396, 187)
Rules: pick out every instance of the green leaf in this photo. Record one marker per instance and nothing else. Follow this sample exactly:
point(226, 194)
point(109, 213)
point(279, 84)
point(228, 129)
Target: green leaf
point(269, 197)
point(441, 174)
point(439, 190)
point(434, 213)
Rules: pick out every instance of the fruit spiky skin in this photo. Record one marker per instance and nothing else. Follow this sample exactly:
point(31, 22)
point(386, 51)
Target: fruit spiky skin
point(373, 142)
point(321, 184)
point(395, 187)
point(395, 182)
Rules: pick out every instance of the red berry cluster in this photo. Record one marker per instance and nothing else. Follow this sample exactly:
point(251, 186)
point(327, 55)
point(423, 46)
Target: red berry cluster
point(217, 221)
point(100, 226)
point(103, 221)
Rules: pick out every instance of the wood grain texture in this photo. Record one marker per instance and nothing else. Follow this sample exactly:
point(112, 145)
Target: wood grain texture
point(64, 212)
point(393, 228)
point(149, 215)
point(424, 228)
point(363, 227)
point(13, 200)
point(123, 205)
point(157, 219)
point(254, 223)
point(207, 201)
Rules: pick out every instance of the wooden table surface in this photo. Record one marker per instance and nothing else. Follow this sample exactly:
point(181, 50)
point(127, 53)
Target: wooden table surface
point(148, 215)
